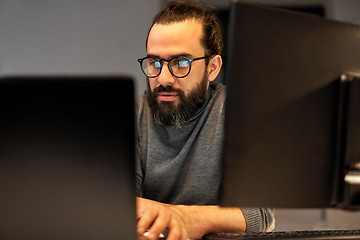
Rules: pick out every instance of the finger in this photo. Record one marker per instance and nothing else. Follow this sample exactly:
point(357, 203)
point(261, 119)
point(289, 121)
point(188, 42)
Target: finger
point(147, 218)
point(177, 231)
point(175, 234)
point(160, 224)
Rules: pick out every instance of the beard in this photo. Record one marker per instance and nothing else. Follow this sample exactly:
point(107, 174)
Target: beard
point(170, 113)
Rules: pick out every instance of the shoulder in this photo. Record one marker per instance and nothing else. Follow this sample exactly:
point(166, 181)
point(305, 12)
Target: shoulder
point(218, 95)
point(214, 110)
point(218, 91)
point(218, 88)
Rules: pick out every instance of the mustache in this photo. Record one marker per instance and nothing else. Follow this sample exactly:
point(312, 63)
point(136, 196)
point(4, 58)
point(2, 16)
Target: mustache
point(167, 89)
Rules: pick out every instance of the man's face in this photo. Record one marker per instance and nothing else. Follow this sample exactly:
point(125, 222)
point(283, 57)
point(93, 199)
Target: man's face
point(170, 95)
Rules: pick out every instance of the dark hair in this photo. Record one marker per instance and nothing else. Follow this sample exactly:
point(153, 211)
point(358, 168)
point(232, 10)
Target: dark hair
point(179, 11)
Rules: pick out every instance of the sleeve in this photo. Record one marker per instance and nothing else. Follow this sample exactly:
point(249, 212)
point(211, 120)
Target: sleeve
point(259, 219)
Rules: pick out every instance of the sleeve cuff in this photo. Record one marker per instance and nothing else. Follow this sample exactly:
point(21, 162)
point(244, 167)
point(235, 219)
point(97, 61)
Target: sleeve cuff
point(258, 219)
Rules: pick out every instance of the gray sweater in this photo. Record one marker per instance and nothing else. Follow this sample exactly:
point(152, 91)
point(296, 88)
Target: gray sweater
point(184, 165)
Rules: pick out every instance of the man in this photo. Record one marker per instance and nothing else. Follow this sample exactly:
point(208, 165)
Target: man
point(180, 130)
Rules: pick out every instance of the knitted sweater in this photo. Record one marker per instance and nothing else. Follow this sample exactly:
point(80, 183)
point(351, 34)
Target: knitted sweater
point(184, 165)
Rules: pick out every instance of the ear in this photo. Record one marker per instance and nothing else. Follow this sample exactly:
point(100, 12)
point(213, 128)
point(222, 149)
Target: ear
point(214, 67)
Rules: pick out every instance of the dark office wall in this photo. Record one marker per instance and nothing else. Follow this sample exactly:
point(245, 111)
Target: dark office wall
point(344, 10)
point(66, 36)
point(97, 36)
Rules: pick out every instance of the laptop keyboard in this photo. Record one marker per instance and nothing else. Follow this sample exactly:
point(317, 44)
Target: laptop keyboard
point(291, 235)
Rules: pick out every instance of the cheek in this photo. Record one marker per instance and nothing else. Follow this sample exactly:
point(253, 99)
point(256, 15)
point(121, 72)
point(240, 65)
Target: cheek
point(193, 80)
point(186, 85)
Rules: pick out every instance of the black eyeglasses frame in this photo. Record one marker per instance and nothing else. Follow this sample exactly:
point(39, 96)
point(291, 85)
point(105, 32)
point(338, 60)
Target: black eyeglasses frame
point(190, 60)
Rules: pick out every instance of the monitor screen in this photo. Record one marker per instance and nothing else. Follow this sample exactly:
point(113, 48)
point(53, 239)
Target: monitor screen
point(283, 144)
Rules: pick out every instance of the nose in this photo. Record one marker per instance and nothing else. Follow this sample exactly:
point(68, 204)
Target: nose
point(165, 78)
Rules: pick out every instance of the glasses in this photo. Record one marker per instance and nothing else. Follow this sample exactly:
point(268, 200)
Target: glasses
point(179, 67)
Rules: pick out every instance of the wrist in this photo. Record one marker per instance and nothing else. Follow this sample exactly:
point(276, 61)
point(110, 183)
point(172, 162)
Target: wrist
point(202, 220)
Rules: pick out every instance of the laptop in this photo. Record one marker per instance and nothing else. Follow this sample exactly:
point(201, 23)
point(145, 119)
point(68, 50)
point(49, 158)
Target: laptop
point(67, 158)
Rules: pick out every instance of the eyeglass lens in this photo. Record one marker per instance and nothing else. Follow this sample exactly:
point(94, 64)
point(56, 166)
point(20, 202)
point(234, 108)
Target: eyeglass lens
point(179, 66)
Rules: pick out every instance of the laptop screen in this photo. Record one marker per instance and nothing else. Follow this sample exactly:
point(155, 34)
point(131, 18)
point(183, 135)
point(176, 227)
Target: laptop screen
point(66, 158)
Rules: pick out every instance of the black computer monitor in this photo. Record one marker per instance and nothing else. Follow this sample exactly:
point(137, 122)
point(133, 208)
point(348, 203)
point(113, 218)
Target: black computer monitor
point(285, 124)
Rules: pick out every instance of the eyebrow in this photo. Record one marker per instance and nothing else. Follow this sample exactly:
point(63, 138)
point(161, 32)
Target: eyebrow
point(188, 55)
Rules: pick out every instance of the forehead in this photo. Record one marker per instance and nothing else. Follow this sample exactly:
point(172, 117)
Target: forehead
point(175, 39)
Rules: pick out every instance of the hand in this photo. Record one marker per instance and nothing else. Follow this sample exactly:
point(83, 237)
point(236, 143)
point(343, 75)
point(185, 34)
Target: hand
point(155, 218)
point(185, 222)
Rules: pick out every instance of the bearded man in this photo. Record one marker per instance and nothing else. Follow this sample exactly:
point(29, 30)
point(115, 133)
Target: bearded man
point(180, 130)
